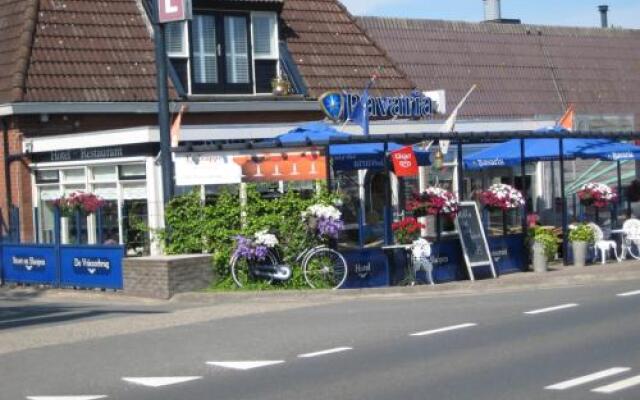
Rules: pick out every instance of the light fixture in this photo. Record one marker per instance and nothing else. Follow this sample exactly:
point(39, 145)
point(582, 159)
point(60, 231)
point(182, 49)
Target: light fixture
point(280, 86)
point(438, 160)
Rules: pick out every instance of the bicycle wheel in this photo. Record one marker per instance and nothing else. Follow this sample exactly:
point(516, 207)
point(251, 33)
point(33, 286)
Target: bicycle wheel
point(325, 268)
point(244, 274)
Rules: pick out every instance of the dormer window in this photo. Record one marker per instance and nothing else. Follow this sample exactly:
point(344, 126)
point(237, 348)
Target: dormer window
point(225, 52)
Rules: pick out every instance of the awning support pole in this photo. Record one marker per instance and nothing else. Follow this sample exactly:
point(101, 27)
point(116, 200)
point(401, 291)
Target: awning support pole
point(525, 207)
point(388, 220)
point(460, 172)
point(563, 198)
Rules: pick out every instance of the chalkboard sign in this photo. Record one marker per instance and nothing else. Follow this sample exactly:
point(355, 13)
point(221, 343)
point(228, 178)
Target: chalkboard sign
point(473, 239)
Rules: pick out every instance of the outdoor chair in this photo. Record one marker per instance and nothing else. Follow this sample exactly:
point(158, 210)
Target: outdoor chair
point(631, 238)
point(603, 245)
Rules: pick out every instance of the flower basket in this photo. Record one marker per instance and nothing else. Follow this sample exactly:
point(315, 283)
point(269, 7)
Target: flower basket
point(502, 197)
point(255, 248)
point(88, 203)
point(597, 195)
point(324, 222)
point(434, 201)
point(407, 230)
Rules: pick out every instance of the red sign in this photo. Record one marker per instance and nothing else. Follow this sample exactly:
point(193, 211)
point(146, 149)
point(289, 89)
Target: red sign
point(405, 162)
point(174, 10)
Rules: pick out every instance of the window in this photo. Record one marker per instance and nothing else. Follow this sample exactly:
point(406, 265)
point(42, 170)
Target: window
point(47, 176)
point(234, 53)
point(132, 172)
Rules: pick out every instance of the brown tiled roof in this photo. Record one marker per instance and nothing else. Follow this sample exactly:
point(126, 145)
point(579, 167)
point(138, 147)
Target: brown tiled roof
point(521, 70)
point(16, 27)
point(99, 50)
point(332, 52)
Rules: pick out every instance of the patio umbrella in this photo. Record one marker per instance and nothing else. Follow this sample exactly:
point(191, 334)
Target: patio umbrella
point(312, 132)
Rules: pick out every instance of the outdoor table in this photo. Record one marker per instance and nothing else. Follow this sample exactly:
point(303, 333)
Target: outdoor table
point(410, 270)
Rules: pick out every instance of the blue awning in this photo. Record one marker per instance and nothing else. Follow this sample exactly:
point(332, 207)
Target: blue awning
point(368, 156)
point(507, 154)
point(311, 132)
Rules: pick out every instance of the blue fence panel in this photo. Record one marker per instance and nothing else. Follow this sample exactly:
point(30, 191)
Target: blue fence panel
point(448, 264)
point(508, 253)
point(367, 268)
point(29, 264)
point(91, 266)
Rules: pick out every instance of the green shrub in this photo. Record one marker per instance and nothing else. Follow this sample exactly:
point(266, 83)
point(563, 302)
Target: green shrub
point(582, 233)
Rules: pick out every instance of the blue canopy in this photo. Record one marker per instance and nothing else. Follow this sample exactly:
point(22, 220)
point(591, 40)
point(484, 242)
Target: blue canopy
point(344, 156)
point(311, 132)
point(507, 154)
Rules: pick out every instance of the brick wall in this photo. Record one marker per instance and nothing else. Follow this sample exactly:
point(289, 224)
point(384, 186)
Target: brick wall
point(162, 277)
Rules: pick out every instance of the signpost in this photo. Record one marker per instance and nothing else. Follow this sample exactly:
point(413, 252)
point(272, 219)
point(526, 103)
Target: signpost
point(473, 239)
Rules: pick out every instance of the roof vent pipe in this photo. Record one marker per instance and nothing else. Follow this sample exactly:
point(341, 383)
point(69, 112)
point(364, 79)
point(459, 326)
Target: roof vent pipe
point(604, 21)
point(492, 10)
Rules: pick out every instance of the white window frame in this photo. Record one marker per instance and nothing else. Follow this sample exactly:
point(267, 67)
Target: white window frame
point(275, 52)
point(185, 54)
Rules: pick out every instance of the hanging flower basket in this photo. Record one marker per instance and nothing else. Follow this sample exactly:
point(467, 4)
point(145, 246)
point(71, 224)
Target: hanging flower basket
point(434, 201)
point(407, 230)
point(597, 195)
point(323, 221)
point(255, 248)
point(502, 197)
point(88, 203)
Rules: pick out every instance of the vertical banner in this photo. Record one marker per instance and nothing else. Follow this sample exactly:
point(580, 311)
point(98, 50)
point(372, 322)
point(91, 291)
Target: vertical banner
point(173, 10)
point(405, 162)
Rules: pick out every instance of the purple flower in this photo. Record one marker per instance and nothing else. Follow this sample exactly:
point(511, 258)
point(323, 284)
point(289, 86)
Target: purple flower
point(247, 249)
point(329, 227)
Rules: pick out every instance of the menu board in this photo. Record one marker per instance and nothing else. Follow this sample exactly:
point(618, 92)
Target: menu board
point(472, 238)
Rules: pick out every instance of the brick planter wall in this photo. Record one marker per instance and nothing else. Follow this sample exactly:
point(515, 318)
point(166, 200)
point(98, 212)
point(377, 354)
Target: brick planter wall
point(163, 276)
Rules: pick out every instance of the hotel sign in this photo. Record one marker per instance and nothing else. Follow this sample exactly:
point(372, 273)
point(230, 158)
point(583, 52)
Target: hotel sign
point(173, 10)
point(339, 106)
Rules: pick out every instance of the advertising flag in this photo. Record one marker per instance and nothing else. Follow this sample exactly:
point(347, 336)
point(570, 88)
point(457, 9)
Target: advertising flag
point(405, 162)
point(360, 113)
point(567, 119)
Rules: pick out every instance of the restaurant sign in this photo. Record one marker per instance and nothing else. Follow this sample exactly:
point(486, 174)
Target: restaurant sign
point(339, 106)
point(174, 10)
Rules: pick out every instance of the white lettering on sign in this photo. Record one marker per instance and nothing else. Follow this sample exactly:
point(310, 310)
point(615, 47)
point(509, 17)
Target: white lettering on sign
point(91, 264)
point(169, 7)
point(29, 262)
point(174, 10)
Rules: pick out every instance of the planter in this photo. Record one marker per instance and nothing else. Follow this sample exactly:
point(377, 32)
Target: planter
point(579, 253)
point(540, 263)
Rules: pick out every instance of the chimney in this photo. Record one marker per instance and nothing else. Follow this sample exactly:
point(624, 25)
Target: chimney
point(492, 10)
point(604, 9)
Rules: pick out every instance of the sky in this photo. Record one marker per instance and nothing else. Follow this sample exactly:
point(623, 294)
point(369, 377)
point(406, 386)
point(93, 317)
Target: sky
point(622, 13)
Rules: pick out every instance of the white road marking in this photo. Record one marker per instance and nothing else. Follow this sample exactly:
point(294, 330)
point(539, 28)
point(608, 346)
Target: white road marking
point(628, 294)
point(588, 378)
point(66, 397)
point(551, 309)
point(620, 385)
point(325, 352)
point(244, 365)
point(156, 382)
point(446, 329)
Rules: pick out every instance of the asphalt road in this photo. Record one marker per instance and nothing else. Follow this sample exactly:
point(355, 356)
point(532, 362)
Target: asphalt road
point(569, 343)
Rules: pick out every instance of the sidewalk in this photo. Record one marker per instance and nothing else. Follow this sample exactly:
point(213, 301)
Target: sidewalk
point(558, 276)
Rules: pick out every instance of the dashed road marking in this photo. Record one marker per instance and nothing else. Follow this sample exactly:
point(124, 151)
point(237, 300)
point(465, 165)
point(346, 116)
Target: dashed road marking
point(617, 386)
point(85, 397)
point(244, 365)
point(156, 382)
point(551, 309)
point(325, 352)
point(445, 329)
point(629, 294)
point(581, 380)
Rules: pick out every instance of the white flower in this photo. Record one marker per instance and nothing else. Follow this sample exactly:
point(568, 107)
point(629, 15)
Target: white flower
point(263, 238)
point(322, 211)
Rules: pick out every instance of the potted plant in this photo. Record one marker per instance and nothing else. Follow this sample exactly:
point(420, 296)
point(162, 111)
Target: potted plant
point(597, 195)
point(503, 198)
point(434, 202)
point(544, 246)
point(406, 230)
point(580, 236)
point(323, 221)
point(78, 201)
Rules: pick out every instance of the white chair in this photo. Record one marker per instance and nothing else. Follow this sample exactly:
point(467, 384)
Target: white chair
point(631, 238)
point(603, 245)
point(421, 258)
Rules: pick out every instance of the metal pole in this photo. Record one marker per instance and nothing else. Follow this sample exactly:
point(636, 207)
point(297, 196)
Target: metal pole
point(460, 172)
point(163, 107)
point(7, 169)
point(565, 222)
point(523, 178)
point(388, 235)
point(619, 171)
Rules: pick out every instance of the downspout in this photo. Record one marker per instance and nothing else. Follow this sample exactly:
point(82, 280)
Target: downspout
point(7, 168)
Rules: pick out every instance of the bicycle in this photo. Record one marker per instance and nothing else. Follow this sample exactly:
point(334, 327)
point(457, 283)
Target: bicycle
point(322, 268)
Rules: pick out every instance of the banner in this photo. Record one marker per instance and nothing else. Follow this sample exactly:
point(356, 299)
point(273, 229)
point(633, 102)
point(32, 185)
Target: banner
point(405, 162)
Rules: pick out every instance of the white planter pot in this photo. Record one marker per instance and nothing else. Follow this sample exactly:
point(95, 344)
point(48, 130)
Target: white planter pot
point(540, 263)
point(579, 253)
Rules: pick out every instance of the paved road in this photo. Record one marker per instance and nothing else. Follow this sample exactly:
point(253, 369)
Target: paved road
point(563, 343)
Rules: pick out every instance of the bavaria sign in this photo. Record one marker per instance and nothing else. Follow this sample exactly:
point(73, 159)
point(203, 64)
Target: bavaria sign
point(173, 10)
point(338, 106)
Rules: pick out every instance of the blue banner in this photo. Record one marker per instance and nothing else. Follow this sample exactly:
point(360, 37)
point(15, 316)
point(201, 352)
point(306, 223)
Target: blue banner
point(91, 266)
point(508, 253)
point(34, 264)
point(367, 268)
